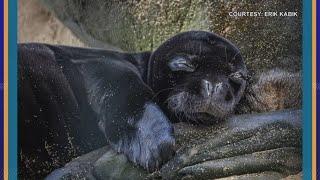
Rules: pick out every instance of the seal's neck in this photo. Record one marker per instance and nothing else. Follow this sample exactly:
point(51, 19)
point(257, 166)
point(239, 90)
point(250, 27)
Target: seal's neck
point(141, 61)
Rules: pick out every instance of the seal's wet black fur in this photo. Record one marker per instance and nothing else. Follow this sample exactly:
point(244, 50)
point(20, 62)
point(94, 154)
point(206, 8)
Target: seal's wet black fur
point(74, 100)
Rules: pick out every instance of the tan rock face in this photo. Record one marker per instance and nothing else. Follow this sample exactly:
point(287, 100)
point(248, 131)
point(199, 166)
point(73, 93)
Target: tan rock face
point(37, 24)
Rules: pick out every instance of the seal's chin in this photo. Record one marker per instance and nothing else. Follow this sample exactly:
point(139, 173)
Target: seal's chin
point(204, 118)
point(199, 109)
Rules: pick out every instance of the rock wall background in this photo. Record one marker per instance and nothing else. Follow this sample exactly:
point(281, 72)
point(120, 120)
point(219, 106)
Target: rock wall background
point(139, 25)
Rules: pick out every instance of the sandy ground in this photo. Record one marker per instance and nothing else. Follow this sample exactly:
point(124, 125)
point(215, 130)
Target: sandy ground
point(36, 24)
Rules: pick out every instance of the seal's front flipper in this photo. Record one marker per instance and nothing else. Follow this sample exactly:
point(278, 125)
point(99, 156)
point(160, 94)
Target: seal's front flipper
point(131, 123)
point(152, 144)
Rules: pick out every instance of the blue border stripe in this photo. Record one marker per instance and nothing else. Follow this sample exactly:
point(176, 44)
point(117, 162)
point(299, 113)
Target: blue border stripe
point(12, 116)
point(307, 91)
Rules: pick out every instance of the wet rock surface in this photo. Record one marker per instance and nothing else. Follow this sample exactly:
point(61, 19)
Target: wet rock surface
point(257, 146)
point(139, 25)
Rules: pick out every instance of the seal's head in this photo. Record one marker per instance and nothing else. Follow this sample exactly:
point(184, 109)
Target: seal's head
point(198, 75)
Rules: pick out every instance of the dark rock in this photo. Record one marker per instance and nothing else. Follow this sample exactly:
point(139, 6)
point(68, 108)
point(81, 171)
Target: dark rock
point(80, 167)
point(257, 146)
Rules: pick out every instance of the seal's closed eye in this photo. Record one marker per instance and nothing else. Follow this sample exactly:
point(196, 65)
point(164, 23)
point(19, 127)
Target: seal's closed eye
point(181, 63)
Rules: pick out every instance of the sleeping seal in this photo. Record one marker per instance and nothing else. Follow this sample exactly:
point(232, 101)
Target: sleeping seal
point(74, 100)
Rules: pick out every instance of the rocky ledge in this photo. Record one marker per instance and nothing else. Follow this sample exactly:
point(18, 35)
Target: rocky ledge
point(250, 146)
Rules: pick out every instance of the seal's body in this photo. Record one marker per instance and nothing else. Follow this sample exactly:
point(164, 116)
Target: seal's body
point(73, 100)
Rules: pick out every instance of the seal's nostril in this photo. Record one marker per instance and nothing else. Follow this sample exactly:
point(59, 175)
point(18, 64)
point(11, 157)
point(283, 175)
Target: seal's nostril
point(207, 86)
point(235, 85)
point(228, 96)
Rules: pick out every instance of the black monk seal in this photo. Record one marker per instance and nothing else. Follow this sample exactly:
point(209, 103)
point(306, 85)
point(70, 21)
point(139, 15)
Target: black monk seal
point(74, 100)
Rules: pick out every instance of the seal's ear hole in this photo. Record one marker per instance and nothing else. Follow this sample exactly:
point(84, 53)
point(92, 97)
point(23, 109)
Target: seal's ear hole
point(181, 63)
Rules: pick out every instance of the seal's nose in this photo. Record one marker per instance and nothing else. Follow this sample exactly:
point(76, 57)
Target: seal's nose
point(219, 89)
point(207, 87)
